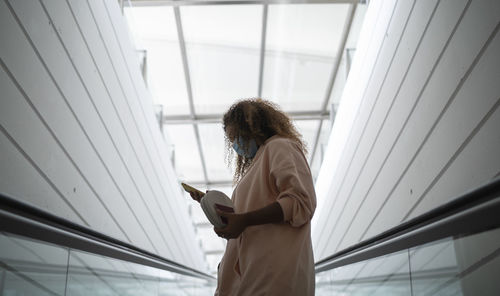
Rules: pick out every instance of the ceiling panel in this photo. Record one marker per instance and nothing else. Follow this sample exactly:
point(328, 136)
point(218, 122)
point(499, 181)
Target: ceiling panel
point(213, 144)
point(186, 158)
point(154, 30)
point(348, 56)
point(151, 23)
point(166, 76)
point(294, 82)
point(312, 29)
point(211, 242)
point(301, 45)
point(320, 148)
point(223, 50)
point(196, 212)
point(308, 129)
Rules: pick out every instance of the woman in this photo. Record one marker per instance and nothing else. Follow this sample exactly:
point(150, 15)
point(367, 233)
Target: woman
point(269, 249)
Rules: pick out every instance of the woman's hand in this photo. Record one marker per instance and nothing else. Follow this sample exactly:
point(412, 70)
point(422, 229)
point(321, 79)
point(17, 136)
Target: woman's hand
point(196, 195)
point(236, 223)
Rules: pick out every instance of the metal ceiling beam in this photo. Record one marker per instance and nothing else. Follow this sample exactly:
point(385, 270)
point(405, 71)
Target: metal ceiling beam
point(249, 50)
point(262, 48)
point(333, 76)
point(182, 44)
point(217, 118)
point(177, 3)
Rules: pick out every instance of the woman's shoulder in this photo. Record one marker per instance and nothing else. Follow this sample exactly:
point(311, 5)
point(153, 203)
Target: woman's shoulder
point(282, 151)
point(279, 142)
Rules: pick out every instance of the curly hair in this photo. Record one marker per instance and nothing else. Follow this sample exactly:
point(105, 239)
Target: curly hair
point(256, 119)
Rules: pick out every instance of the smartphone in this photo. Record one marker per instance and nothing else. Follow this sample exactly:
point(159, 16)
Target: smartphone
point(190, 189)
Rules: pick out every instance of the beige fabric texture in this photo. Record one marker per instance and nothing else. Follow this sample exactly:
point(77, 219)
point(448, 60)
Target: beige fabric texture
point(272, 259)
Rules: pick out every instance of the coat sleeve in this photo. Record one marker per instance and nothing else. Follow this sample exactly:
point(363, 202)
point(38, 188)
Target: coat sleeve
point(292, 177)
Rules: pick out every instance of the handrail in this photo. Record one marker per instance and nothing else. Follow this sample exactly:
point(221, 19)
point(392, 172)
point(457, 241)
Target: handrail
point(475, 211)
point(23, 219)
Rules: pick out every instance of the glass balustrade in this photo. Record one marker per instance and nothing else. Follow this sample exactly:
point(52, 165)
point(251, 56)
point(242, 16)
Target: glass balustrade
point(468, 265)
point(29, 267)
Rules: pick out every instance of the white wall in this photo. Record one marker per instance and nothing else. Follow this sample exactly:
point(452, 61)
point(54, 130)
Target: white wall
point(418, 121)
point(78, 135)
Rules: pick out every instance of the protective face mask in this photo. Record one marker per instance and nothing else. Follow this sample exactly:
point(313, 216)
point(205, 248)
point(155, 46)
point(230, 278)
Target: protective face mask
point(238, 147)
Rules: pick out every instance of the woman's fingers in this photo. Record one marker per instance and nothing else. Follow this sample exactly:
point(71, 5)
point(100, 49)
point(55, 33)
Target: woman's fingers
point(221, 232)
point(196, 196)
point(221, 213)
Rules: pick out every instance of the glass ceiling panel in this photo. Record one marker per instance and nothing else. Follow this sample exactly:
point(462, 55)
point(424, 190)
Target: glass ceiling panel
point(314, 29)
point(213, 262)
point(154, 30)
point(210, 240)
point(338, 86)
point(348, 56)
point(301, 44)
point(197, 215)
point(357, 23)
point(186, 161)
point(320, 148)
point(223, 49)
point(295, 82)
point(212, 139)
point(308, 129)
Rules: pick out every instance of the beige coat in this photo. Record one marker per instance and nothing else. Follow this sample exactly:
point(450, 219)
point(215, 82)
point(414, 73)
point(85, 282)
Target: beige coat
point(272, 259)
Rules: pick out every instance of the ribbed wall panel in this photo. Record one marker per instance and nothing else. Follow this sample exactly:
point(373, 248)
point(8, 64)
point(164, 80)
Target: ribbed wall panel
point(426, 127)
point(78, 133)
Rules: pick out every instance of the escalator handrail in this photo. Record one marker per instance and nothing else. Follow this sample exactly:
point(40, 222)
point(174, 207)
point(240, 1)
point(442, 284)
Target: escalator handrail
point(472, 212)
point(26, 220)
